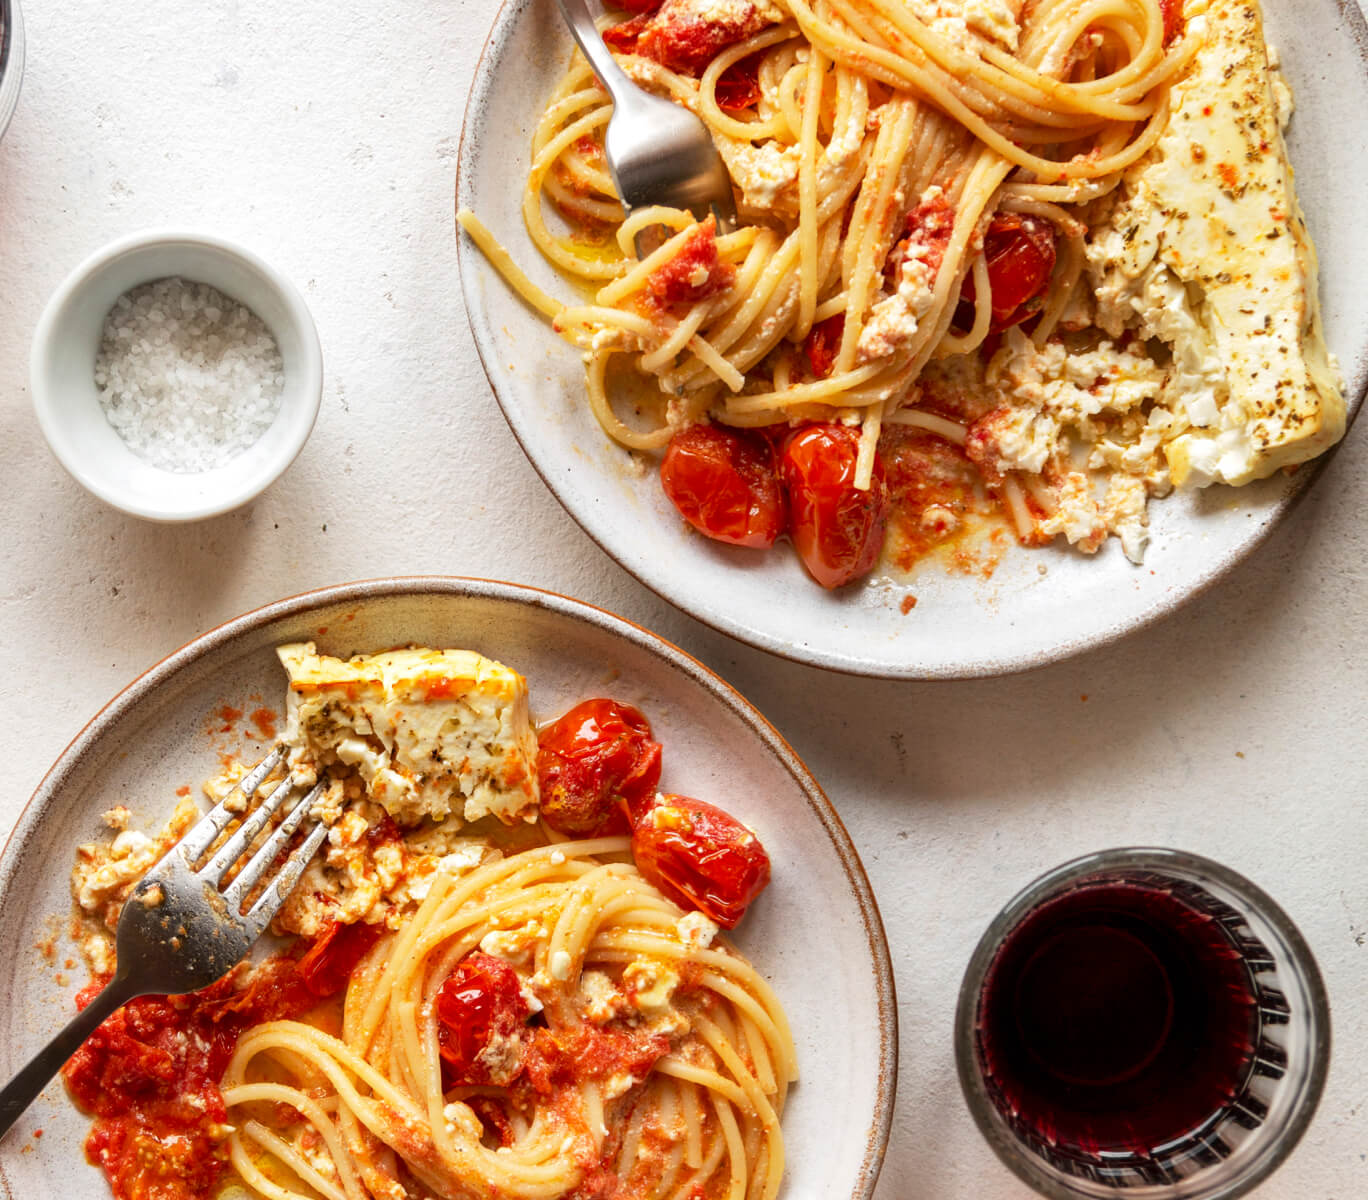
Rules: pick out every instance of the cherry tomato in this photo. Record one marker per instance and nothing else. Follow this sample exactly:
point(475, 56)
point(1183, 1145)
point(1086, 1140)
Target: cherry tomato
point(480, 1000)
point(836, 528)
point(1021, 254)
point(823, 343)
point(636, 6)
point(700, 857)
point(594, 765)
point(724, 483)
point(328, 963)
point(738, 87)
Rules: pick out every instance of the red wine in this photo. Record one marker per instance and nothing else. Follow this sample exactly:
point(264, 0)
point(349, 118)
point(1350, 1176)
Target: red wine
point(1116, 1018)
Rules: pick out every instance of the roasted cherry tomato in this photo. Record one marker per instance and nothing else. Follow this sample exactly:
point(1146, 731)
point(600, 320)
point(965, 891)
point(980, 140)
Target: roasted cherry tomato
point(700, 857)
point(836, 528)
point(1021, 255)
point(823, 344)
point(328, 963)
point(738, 87)
point(724, 483)
point(479, 1001)
point(596, 764)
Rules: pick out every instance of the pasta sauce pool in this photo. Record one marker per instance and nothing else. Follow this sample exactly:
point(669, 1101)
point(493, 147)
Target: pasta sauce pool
point(150, 1073)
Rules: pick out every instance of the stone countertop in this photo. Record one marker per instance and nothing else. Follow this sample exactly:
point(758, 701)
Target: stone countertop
point(327, 142)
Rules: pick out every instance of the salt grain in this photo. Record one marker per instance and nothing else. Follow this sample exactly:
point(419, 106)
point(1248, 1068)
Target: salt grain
point(187, 376)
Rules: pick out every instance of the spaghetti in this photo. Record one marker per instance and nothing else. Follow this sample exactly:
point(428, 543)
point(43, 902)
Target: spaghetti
point(662, 1063)
point(916, 183)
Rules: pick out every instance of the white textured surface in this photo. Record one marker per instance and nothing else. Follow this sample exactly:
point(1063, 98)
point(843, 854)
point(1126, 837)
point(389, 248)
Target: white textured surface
point(325, 139)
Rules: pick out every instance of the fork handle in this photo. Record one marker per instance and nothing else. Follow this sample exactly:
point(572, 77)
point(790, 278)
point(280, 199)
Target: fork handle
point(600, 58)
point(23, 1089)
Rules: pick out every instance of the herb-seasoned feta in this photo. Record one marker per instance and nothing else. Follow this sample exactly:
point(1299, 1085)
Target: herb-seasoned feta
point(432, 733)
point(1205, 248)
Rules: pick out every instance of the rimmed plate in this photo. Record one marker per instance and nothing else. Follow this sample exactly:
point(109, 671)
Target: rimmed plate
point(1038, 606)
point(815, 934)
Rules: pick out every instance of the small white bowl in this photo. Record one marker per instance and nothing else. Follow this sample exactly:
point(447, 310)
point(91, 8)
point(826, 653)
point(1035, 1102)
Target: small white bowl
point(62, 374)
point(11, 59)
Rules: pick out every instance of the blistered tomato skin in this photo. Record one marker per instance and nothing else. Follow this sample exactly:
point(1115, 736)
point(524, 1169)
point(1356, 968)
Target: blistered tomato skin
point(595, 765)
point(724, 484)
point(480, 1000)
point(334, 955)
point(1020, 253)
point(837, 529)
point(823, 343)
point(700, 857)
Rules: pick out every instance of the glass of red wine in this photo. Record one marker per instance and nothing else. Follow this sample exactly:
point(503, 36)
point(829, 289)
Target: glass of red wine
point(1143, 1021)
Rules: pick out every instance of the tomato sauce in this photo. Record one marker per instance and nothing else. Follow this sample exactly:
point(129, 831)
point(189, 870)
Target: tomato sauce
point(695, 273)
point(562, 1058)
point(939, 503)
point(150, 1074)
point(681, 39)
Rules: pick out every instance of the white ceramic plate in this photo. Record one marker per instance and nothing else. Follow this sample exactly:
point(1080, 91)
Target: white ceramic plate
point(1038, 606)
point(815, 933)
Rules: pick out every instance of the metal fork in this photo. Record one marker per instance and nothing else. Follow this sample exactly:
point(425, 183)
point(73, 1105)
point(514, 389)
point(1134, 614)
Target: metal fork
point(180, 930)
point(658, 152)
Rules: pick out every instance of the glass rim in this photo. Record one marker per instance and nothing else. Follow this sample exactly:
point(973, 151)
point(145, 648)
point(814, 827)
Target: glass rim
point(994, 1128)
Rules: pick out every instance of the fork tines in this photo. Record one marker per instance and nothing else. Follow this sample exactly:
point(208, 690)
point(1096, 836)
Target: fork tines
point(206, 832)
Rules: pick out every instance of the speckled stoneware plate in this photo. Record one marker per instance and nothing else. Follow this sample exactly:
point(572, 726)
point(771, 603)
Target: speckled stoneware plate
point(11, 60)
point(815, 934)
point(1038, 606)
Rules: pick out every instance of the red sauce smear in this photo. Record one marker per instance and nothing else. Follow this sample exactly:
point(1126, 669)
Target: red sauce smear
point(924, 470)
point(265, 721)
point(228, 714)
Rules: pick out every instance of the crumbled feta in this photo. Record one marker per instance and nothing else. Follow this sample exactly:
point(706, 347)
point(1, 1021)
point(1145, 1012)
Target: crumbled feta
point(1073, 387)
point(696, 931)
point(1079, 516)
point(894, 320)
point(1123, 510)
point(602, 1000)
point(649, 985)
point(513, 945)
point(761, 172)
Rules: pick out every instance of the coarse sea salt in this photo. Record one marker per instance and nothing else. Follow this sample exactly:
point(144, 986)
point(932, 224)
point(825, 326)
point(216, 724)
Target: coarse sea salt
point(187, 376)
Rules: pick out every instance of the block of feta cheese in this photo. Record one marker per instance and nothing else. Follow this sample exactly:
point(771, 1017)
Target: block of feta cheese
point(432, 733)
point(1205, 249)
